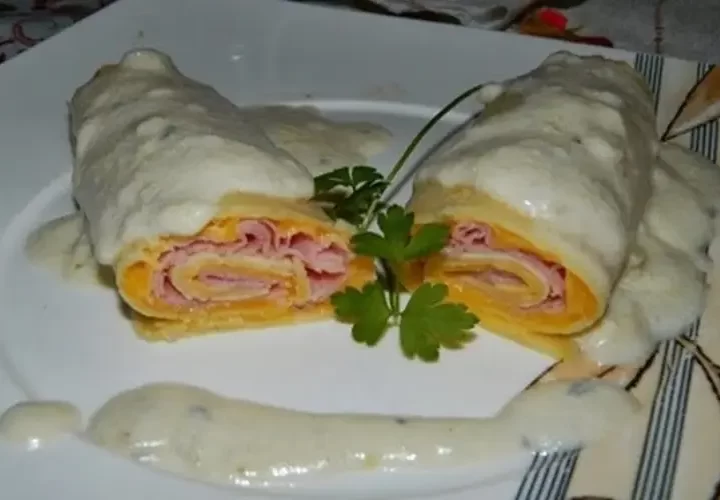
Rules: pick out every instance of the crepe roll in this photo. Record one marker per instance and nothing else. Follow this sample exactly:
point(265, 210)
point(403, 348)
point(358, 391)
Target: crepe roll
point(543, 195)
point(207, 225)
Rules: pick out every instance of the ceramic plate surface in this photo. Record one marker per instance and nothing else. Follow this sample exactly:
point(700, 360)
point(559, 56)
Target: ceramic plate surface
point(61, 341)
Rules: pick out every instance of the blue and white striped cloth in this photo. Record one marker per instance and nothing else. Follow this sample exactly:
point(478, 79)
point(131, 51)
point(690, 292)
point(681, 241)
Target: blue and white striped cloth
point(673, 453)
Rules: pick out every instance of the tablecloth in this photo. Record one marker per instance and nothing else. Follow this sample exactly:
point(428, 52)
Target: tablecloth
point(24, 23)
point(686, 29)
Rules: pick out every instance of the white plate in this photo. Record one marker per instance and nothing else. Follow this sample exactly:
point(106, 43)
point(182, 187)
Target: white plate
point(63, 342)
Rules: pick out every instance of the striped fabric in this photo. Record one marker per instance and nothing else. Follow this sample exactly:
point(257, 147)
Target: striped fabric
point(673, 451)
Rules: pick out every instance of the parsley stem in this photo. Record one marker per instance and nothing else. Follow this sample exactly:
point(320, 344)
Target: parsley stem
point(393, 286)
point(372, 211)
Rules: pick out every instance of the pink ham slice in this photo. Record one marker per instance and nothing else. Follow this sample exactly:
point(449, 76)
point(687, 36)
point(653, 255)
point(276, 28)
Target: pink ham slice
point(476, 238)
point(326, 266)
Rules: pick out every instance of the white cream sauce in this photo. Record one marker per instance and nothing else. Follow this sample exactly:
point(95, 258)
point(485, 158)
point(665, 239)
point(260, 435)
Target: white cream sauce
point(701, 176)
point(35, 423)
point(155, 151)
point(668, 287)
point(320, 144)
point(662, 289)
point(622, 336)
point(61, 246)
point(676, 216)
point(694, 170)
point(196, 433)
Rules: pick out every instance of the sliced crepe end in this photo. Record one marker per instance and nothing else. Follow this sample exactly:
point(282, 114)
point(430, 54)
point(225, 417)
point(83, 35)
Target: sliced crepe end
point(162, 330)
point(701, 105)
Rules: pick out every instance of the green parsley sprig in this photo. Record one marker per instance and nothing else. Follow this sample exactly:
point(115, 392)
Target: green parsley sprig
point(349, 193)
point(427, 322)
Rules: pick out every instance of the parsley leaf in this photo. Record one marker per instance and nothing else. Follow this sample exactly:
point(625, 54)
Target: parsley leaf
point(349, 193)
point(395, 225)
point(367, 310)
point(427, 324)
point(430, 239)
point(397, 243)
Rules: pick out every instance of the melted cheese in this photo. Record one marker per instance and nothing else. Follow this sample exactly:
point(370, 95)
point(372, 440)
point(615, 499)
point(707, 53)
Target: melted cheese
point(157, 319)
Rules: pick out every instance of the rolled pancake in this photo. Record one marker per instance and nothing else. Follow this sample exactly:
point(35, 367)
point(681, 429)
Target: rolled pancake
point(543, 194)
point(206, 223)
point(259, 262)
